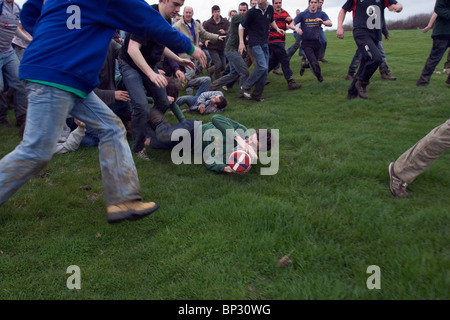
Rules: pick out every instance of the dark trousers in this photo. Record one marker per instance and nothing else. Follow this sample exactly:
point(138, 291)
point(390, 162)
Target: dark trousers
point(367, 43)
point(311, 49)
point(277, 54)
point(436, 54)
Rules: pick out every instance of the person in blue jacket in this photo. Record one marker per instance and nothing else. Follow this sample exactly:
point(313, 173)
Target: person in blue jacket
point(61, 67)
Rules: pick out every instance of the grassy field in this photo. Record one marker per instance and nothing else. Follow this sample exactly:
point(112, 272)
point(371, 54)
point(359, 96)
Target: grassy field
point(220, 236)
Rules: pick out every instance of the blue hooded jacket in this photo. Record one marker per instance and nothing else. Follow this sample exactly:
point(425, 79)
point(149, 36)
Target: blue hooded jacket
point(71, 38)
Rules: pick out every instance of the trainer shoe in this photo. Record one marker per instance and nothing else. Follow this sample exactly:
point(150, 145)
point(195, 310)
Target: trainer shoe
point(397, 186)
point(246, 93)
point(143, 154)
point(130, 210)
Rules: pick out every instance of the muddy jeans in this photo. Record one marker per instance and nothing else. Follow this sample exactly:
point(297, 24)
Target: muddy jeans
point(48, 108)
point(417, 159)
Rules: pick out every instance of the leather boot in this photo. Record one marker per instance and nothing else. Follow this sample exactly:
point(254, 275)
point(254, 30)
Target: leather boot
point(350, 76)
point(423, 81)
point(386, 76)
point(361, 88)
point(292, 85)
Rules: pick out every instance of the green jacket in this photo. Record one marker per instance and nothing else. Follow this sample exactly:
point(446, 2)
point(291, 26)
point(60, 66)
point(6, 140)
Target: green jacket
point(441, 27)
point(217, 144)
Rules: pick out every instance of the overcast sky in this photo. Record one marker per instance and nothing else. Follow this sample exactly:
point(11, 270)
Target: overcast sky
point(202, 8)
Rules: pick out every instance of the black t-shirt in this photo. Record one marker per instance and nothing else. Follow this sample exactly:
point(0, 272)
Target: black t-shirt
point(151, 50)
point(368, 14)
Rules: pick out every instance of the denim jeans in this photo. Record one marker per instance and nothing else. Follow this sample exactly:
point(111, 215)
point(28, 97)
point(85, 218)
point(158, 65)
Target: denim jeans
point(219, 62)
point(259, 75)
point(202, 84)
point(436, 54)
point(238, 70)
point(9, 65)
point(139, 87)
point(48, 108)
point(161, 137)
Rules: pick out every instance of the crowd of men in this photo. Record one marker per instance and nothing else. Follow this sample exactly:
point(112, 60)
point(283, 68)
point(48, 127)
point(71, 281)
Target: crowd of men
point(152, 46)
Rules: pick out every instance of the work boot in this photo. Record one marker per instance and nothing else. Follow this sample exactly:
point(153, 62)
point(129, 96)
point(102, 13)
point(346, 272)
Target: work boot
point(5, 121)
point(292, 85)
point(277, 72)
point(130, 210)
point(361, 88)
point(423, 81)
point(386, 76)
point(350, 76)
point(156, 118)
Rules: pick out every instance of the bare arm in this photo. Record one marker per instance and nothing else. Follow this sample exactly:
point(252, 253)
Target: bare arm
point(135, 54)
point(340, 26)
point(430, 23)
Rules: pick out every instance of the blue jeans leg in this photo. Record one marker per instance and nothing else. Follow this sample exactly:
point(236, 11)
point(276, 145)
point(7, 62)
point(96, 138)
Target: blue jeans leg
point(47, 113)
point(202, 84)
point(140, 108)
point(9, 64)
point(119, 175)
point(259, 75)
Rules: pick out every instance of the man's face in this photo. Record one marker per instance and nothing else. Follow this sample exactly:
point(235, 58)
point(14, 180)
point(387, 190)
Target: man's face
point(262, 4)
point(242, 9)
point(188, 13)
point(170, 8)
point(216, 14)
point(277, 5)
point(320, 4)
point(313, 5)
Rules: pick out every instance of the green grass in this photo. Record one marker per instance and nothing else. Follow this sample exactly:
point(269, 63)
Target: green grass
point(220, 236)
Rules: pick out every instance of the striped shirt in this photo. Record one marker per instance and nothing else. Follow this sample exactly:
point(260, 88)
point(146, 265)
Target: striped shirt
point(282, 20)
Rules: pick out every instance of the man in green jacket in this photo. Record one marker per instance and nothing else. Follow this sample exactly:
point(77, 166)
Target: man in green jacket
point(214, 141)
point(441, 41)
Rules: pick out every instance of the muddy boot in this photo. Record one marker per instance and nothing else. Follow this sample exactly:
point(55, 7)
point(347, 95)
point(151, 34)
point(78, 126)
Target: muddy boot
point(292, 85)
point(386, 76)
point(423, 81)
point(361, 88)
point(350, 76)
